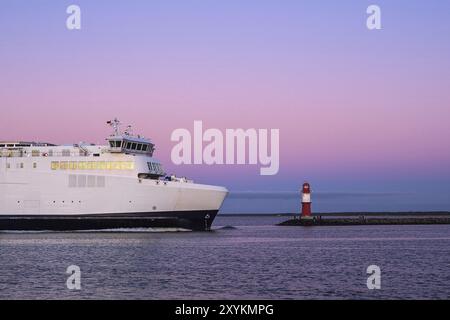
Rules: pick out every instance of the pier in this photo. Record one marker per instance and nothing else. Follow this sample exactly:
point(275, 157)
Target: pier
point(353, 219)
point(307, 218)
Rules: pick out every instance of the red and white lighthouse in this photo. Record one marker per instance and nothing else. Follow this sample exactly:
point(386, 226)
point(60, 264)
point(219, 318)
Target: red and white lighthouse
point(306, 201)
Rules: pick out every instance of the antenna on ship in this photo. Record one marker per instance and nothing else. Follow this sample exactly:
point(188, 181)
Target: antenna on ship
point(115, 125)
point(128, 131)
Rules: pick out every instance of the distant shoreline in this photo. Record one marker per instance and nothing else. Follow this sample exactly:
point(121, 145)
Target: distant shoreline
point(390, 213)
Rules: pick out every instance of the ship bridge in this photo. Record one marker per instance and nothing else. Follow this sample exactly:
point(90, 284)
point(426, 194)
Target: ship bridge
point(127, 142)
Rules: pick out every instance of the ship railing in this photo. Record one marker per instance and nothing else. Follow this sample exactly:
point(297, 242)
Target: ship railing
point(38, 153)
point(83, 150)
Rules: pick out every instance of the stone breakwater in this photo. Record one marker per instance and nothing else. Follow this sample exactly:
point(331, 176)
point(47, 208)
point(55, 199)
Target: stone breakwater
point(365, 220)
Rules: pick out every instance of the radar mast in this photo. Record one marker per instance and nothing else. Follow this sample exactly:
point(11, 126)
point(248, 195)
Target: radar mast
point(115, 124)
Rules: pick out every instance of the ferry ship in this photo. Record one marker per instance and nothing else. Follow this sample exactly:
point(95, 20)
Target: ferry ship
point(44, 186)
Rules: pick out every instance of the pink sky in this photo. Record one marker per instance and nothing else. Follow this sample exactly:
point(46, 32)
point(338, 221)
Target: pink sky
point(350, 103)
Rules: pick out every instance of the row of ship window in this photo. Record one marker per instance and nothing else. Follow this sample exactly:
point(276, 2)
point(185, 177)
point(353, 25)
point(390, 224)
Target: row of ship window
point(130, 145)
point(20, 165)
point(92, 165)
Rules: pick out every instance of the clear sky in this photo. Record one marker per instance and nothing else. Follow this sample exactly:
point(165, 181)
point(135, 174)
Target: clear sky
point(358, 110)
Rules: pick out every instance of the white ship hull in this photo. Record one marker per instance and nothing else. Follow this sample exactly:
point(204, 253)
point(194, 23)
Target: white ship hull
point(46, 194)
point(42, 201)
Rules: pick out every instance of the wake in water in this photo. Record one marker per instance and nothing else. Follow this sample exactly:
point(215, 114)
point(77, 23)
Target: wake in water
point(225, 228)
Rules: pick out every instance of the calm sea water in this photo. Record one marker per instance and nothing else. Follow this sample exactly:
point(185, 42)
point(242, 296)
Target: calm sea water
point(253, 260)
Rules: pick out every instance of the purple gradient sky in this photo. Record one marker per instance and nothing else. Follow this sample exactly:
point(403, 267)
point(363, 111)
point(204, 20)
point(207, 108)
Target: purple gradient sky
point(357, 110)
